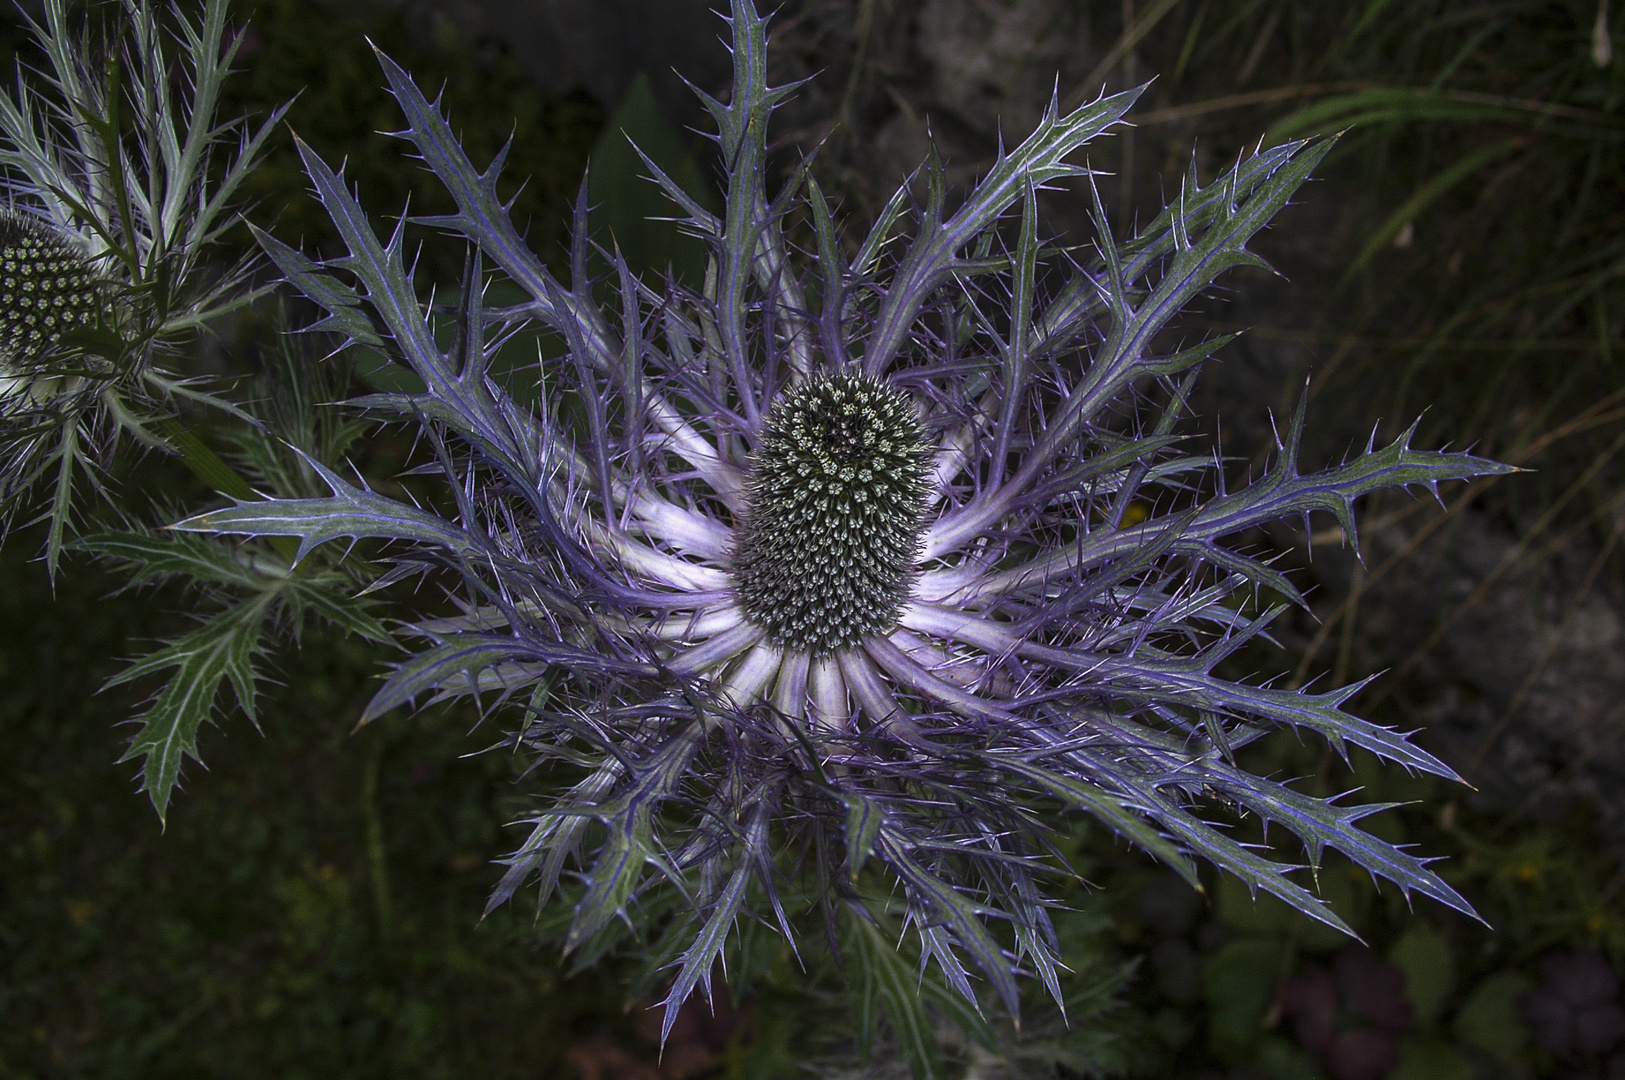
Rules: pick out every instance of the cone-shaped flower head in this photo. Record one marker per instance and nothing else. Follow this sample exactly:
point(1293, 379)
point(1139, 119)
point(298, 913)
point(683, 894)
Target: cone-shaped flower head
point(47, 286)
point(832, 527)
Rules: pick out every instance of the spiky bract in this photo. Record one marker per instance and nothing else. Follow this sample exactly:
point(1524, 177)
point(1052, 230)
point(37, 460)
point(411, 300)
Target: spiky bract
point(1053, 653)
point(826, 553)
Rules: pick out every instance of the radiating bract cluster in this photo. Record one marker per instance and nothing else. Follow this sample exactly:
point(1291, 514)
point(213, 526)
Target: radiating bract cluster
point(840, 580)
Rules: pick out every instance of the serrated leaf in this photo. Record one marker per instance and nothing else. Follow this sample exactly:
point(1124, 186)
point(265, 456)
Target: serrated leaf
point(952, 912)
point(1116, 813)
point(1321, 823)
point(1195, 209)
point(453, 666)
point(341, 302)
point(1037, 161)
point(628, 845)
point(707, 945)
point(330, 597)
point(1184, 684)
point(1283, 493)
point(1138, 784)
point(481, 215)
point(863, 818)
point(1218, 247)
point(172, 556)
point(220, 651)
point(555, 838)
point(381, 269)
point(351, 513)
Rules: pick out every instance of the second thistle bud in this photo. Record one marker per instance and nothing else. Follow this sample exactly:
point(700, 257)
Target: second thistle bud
point(47, 287)
point(832, 528)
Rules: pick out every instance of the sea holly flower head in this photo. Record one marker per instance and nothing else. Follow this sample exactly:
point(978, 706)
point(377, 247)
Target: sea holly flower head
point(114, 202)
point(826, 552)
point(837, 583)
point(48, 287)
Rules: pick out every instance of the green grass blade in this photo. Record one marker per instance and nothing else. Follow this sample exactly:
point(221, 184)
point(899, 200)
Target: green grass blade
point(879, 976)
point(1428, 194)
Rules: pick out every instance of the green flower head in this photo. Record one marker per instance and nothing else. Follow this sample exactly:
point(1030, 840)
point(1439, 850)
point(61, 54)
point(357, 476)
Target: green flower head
point(47, 286)
point(833, 522)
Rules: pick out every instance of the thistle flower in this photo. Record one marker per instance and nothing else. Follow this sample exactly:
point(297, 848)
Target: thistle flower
point(837, 582)
point(112, 214)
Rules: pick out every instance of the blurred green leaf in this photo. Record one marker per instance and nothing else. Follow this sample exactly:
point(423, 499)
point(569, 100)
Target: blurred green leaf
point(1282, 1059)
point(627, 205)
point(1432, 1059)
point(1249, 913)
point(1371, 107)
point(1346, 888)
point(1489, 1019)
point(204, 463)
point(879, 977)
point(1430, 971)
point(1429, 193)
point(1238, 984)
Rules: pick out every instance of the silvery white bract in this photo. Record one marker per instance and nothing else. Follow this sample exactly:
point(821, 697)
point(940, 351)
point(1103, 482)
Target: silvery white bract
point(839, 581)
point(110, 214)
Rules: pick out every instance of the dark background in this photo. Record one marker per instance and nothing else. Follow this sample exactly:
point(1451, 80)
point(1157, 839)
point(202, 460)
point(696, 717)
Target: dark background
point(312, 908)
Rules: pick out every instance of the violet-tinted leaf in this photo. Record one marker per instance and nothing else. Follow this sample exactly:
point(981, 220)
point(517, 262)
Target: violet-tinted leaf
point(350, 513)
